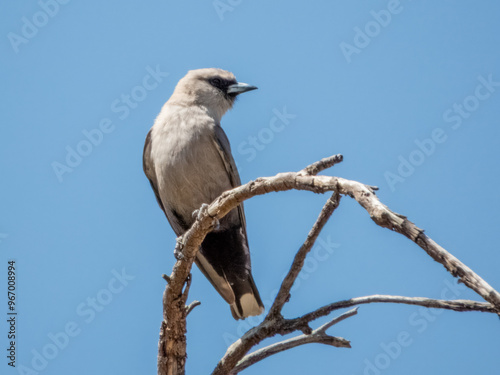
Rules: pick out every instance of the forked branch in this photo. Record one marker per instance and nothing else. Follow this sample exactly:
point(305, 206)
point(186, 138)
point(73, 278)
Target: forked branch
point(318, 336)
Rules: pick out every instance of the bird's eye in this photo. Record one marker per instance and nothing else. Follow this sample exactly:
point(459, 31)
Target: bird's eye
point(216, 82)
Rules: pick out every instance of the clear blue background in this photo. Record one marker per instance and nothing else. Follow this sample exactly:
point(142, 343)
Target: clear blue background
point(67, 237)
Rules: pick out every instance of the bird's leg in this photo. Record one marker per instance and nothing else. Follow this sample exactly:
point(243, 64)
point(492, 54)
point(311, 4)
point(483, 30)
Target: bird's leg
point(199, 213)
point(179, 246)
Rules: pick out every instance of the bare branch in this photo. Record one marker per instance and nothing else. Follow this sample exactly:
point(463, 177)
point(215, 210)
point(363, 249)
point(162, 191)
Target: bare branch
point(258, 355)
point(455, 305)
point(284, 292)
point(314, 337)
point(289, 325)
point(166, 278)
point(321, 165)
point(338, 319)
point(318, 336)
point(191, 306)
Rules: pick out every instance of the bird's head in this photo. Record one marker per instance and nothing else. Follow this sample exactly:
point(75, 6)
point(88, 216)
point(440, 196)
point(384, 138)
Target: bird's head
point(215, 89)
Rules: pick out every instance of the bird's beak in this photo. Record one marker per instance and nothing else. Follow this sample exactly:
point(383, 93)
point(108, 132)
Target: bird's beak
point(239, 88)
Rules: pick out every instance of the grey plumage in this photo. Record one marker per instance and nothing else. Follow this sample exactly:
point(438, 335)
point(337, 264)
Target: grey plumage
point(187, 159)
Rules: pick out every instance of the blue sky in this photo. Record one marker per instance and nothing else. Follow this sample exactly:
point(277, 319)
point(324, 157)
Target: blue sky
point(407, 91)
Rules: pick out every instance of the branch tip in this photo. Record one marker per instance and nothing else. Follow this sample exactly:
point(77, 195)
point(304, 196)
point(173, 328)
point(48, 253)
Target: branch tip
point(166, 278)
point(191, 306)
point(314, 168)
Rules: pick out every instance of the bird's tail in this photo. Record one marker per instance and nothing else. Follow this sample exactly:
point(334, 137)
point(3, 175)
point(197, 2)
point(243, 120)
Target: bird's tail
point(247, 300)
point(225, 261)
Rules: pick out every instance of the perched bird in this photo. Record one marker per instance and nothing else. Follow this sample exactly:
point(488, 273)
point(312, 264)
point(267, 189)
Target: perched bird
point(188, 161)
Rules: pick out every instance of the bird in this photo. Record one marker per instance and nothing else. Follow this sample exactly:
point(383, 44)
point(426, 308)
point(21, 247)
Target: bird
point(187, 159)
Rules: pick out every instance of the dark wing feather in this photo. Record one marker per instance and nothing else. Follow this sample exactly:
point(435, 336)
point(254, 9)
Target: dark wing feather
point(224, 148)
point(149, 168)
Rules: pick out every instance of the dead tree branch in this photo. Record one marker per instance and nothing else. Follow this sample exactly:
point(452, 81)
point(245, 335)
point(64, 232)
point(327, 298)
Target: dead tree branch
point(191, 306)
point(325, 163)
point(455, 305)
point(172, 344)
point(318, 336)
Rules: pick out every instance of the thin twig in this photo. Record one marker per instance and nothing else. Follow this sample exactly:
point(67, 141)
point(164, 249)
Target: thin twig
point(191, 306)
point(284, 292)
point(455, 305)
point(321, 165)
point(338, 319)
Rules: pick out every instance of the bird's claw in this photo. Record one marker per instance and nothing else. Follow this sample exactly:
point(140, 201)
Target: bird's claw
point(201, 211)
point(179, 246)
